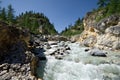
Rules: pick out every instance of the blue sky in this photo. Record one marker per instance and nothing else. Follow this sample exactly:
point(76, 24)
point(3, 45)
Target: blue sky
point(60, 12)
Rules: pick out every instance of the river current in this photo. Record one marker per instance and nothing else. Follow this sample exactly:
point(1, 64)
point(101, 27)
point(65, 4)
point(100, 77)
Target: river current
point(79, 65)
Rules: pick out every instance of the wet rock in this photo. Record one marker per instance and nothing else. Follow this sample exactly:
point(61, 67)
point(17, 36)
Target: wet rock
point(60, 51)
point(97, 52)
point(47, 46)
point(86, 50)
point(52, 42)
point(61, 44)
point(67, 48)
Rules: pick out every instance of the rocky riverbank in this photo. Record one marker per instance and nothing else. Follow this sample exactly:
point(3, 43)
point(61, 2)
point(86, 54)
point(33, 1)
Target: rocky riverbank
point(20, 61)
point(14, 60)
point(104, 34)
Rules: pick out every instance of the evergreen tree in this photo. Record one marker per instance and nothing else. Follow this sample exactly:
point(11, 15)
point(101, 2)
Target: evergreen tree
point(102, 3)
point(3, 14)
point(10, 15)
point(78, 22)
point(27, 21)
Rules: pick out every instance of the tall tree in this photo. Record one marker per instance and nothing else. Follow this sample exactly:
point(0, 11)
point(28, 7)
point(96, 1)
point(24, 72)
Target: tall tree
point(3, 14)
point(78, 22)
point(10, 15)
point(102, 3)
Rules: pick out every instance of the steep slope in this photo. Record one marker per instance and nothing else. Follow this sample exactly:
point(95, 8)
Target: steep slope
point(104, 34)
point(102, 26)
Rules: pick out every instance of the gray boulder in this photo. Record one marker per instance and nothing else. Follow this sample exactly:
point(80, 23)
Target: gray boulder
point(97, 52)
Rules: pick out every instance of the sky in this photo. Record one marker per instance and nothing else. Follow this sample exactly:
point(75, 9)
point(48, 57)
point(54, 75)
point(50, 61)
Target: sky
point(60, 12)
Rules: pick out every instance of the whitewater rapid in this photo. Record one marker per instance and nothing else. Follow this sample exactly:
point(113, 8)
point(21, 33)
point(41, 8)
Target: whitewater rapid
point(79, 65)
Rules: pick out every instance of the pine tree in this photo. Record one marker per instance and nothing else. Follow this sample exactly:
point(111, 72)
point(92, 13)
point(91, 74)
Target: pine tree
point(26, 23)
point(78, 22)
point(3, 14)
point(102, 3)
point(10, 15)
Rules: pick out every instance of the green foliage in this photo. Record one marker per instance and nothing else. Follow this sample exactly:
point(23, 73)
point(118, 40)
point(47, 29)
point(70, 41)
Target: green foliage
point(109, 6)
point(7, 15)
point(10, 15)
point(3, 14)
point(77, 28)
point(113, 7)
point(29, 20)
point(102, 3)
point(33, 21)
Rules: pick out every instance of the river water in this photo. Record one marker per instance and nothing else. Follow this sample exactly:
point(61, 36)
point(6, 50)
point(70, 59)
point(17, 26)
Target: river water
point(79, 65)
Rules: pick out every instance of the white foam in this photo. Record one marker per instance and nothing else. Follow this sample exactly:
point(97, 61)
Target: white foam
point(78, 65)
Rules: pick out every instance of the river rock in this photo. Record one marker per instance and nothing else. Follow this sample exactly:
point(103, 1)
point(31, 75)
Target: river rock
point(86, 50)
point(97, 52)
point(67, 48)
point(52, 42)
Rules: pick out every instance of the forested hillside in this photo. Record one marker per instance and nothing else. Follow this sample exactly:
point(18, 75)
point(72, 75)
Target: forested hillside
point(108, 7)
point(34, 22)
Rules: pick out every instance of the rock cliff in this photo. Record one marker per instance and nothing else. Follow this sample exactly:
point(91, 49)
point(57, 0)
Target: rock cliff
point(14, 59)
point(104, 34)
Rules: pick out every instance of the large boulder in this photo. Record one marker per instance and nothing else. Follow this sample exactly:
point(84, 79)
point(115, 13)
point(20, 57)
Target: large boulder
point(12, 40)
point(97, 52)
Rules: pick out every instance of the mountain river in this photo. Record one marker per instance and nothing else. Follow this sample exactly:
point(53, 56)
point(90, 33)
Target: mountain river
point(79, 65)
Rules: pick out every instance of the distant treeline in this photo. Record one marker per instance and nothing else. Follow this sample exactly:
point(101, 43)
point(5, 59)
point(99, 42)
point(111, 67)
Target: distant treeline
point(71, 30)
